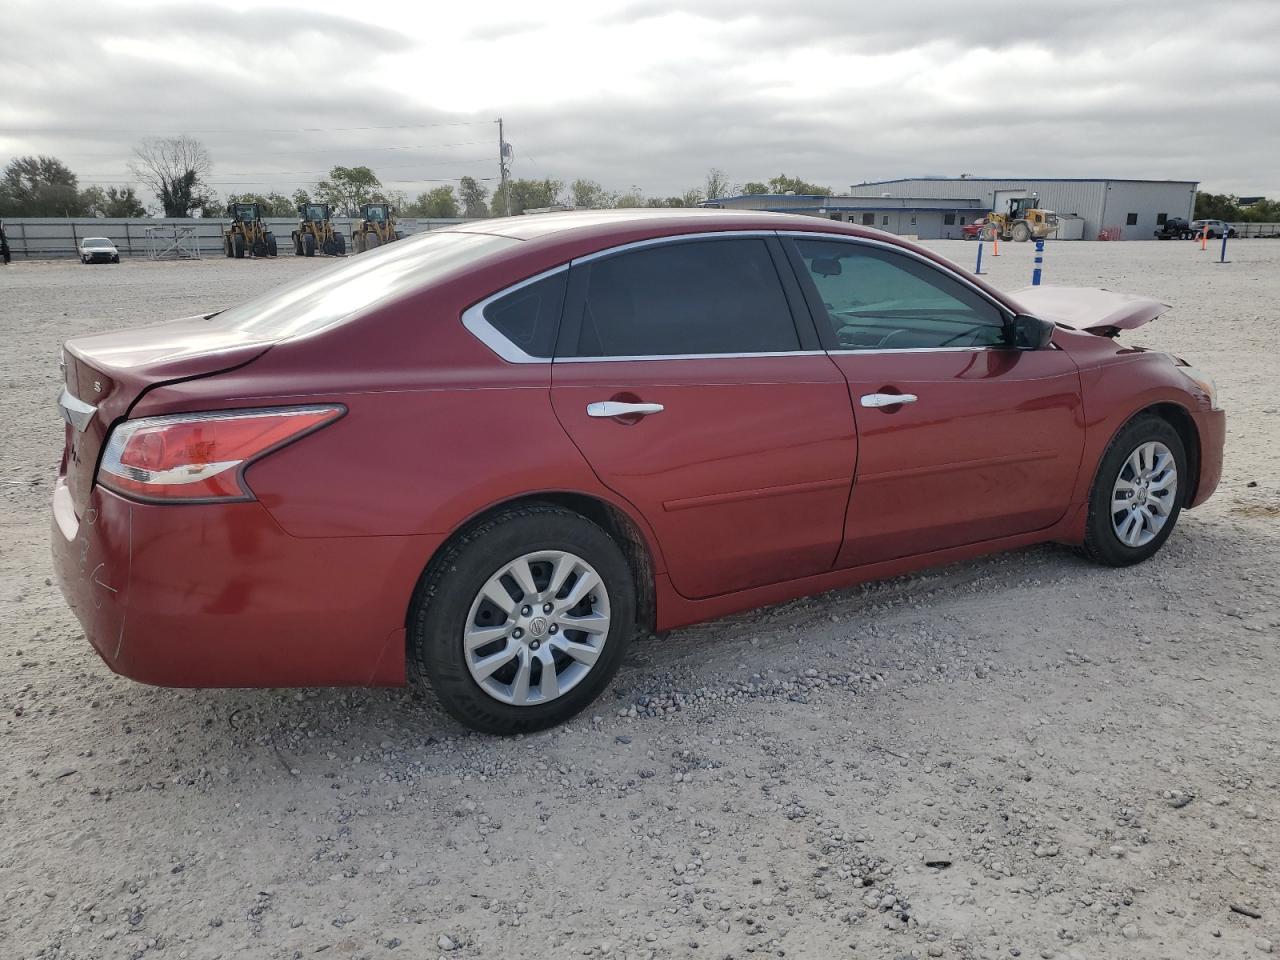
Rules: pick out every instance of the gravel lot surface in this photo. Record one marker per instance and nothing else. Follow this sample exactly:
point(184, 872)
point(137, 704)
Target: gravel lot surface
point(1021, 756)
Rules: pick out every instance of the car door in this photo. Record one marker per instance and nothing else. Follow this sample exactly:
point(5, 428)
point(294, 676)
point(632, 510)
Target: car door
point(962, 438)
point(681, 375)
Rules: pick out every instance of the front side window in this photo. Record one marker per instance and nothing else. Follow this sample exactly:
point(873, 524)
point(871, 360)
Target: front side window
point(880, 299)
point(685, 298)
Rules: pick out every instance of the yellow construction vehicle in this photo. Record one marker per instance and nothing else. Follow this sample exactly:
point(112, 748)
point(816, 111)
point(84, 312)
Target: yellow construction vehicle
point(1020, 219)
point(247, 232)
point(315, 232)
point(377, 226)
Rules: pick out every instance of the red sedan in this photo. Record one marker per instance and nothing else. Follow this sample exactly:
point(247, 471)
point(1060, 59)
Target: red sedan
point(501, 450)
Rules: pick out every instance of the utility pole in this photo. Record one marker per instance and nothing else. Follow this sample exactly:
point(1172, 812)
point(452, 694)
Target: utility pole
point(504, 151)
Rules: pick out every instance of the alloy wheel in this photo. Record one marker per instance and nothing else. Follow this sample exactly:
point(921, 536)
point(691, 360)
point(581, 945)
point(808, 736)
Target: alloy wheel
point(536, 628)
point(1144, 494)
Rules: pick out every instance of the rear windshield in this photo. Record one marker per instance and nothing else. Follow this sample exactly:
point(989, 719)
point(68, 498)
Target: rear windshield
point(325, 297)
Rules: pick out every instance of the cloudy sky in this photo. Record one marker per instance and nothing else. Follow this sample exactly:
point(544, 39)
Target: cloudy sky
point(652, 93)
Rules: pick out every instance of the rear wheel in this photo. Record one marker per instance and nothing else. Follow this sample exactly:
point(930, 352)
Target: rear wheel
point(989, 232)
point(1137, 493)
point(524, 619)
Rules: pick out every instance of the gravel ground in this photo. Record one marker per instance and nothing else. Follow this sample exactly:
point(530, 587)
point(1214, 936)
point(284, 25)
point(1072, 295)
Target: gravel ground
point(1021, 756)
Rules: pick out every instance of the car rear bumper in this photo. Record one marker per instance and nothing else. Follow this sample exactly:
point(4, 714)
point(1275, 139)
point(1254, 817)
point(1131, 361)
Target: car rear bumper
point(1212, 426)
point(217, 595)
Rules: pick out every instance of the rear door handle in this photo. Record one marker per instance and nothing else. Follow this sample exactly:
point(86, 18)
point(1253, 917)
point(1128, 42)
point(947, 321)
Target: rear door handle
point(887, 399)
point(616, 408)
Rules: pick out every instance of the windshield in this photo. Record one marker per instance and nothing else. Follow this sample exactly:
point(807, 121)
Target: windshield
point(97, 242)
point(332, 295)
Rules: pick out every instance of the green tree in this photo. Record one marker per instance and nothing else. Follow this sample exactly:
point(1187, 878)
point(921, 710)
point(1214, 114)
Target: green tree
point(473, 198)
point(1261, 211)
point(527, 195)
point(174, 168)
point(347, 188)
point(589, 195)
point(274, 204)
point(1216, 206)
point(755, 187)
point(40, 187)
point(113, 202)
point(633, 197)
point(300, 197)
point(784, 184)
point(717, 185)
point(439, 202)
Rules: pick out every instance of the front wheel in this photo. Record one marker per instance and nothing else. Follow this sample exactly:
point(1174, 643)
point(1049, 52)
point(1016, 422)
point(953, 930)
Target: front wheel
point(524, 619)
point(1137, 493)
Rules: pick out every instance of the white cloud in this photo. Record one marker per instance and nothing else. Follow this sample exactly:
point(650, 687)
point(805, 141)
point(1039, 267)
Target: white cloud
point(653, 93)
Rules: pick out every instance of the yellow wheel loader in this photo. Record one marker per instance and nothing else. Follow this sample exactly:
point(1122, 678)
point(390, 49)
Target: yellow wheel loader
point(315, 233)
point(1020, 220)
point(247, 232)
point(377, 226)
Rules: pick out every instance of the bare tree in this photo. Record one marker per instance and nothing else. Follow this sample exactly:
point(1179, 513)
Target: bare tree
point(173, 168)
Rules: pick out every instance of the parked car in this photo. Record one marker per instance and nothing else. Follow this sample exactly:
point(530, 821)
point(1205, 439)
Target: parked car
point(973, 231)
point(98, 250)
point(1216, 228)
point(495, 452)
point(1174, 228)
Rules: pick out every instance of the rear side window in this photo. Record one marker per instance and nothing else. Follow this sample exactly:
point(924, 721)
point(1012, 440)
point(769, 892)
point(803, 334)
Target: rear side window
point(685, 298)
point(879, 299)
point(530, 316)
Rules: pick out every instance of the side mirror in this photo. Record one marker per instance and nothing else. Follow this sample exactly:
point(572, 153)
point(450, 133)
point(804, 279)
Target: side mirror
point(1031, 333)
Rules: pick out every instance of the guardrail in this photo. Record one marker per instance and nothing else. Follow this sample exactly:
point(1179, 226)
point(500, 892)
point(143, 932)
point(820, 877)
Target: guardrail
point(1245, 229)
point(52, 238)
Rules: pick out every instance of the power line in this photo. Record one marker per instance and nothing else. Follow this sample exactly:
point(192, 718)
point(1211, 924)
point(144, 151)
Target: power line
point(299, 173)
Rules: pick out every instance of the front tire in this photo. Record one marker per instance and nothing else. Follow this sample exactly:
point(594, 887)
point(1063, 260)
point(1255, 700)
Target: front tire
point(523, 620)
point(1137, 494)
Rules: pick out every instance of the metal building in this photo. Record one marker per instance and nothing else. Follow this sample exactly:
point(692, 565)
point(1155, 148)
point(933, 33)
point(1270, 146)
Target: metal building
point(939, 207)
point(1134, 209)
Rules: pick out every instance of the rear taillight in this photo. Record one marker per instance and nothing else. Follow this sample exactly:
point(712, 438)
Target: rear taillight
point(200, 456)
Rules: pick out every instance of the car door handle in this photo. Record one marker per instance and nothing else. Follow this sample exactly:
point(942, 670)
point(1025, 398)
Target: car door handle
point(616, 408)
point(887, 399)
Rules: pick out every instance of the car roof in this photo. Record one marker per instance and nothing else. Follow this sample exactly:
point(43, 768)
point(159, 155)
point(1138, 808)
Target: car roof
point(103, 239)
point(602, 224)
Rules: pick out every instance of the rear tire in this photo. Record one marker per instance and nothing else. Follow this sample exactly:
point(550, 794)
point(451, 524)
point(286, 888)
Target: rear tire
point(1120, 489)
point(451, 600)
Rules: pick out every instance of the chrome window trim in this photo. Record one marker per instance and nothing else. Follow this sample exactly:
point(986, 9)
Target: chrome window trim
point(674, 238)
point(478, 325)
point(474, 320)
point(694, 356)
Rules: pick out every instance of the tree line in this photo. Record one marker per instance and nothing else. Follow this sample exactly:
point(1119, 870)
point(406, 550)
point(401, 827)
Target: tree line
point(175, 170)
point(1226, 206)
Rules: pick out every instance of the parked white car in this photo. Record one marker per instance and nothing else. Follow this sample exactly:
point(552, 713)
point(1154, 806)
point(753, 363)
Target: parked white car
point(98, 250)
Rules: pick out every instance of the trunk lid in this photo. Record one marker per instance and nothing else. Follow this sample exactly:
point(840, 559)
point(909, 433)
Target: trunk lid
point(1101, 312)
point(104, 374)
